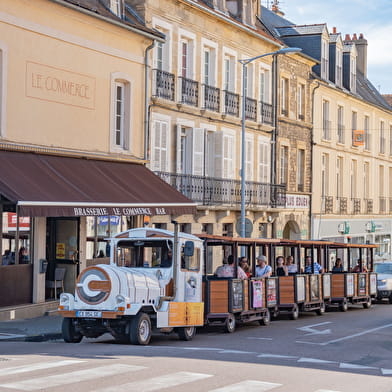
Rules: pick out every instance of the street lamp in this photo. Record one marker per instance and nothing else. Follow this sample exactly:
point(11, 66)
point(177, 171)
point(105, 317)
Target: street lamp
point(244, 63)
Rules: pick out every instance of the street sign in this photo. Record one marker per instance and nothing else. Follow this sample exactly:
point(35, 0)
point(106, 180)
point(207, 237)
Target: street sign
point(248, 227)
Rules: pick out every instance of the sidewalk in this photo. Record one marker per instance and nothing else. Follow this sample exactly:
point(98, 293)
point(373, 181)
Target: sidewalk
point(37, 329)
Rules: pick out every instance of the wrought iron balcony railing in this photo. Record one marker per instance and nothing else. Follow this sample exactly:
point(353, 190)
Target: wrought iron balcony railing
point(211, 98)
point(368, 206)
point(163, 84)
point(342, 205)
point(355, 206)
point(232, 103)
point(251, 109)
point(217, 191)
point(327, 204)
point(382, 205)
point(266, 113)
point(189, 91)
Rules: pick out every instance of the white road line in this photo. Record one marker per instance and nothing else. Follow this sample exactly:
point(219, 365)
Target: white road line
point(344, 365)
point(276, 356)
point(386, 371)
point(260, 338)
point(248, 386)
point(5, 336)
point(33, 384)
point(157, 383)
point(314, 360)
point(37, 366)
point(236, 352)
point(356, 335)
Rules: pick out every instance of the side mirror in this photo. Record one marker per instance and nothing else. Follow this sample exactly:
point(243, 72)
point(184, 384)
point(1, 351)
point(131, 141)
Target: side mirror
point(189, 248)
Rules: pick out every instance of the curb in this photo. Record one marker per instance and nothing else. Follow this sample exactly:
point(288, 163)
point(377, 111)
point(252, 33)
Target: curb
point(35, 338)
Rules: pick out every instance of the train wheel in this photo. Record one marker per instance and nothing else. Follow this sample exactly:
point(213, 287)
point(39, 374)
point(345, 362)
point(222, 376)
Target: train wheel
point(266, 320)
point(343, 306)
point(321, 310)
point(230, 324)
point(295, 312)
point(140, 329)
point(367, 304)
point(186, 333)
point(70, 335)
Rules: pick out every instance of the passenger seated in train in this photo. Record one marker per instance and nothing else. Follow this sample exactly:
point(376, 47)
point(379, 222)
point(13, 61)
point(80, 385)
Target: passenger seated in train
point(291, 266)
point(263, 270)
point(281, 269)
point(318, 269)
point(358, 268)
point(338, 267)
point(243, 263)
point(228, 270)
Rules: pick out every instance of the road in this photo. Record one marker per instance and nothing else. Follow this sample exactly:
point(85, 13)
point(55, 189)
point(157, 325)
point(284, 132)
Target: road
point(337, 352)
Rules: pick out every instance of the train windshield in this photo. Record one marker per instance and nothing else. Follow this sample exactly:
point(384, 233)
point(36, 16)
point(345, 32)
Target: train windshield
point(144, 254)
point(383, 268)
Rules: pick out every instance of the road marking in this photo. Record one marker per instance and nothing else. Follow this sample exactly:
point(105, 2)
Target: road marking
point(386, 371)
point(260, 338)
point(344, 365)
point(157, 383)
point(33, 384)
point(236, 352)
point(312, 331)
point(201, 348)
point(276, 356)
point(5, 336)
point(37, 366)
point(248, 386)
point(314, 360)
point(357, 334)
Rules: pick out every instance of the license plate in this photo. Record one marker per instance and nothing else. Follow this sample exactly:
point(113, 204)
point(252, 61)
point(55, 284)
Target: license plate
point(89, 313)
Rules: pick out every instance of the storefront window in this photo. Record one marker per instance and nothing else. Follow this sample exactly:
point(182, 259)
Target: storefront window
point(67, 240)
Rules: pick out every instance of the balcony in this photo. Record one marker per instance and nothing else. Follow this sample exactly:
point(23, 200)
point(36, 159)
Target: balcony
point(250, 109)
point(232, 103)
point(342, 205)
point(265, 113)
point(327, 204)
point(211, 98)
point(355, 206)
point(210, 191)
point(368, 206)
point(382, 205)
point(189, 91)
point(163, 85)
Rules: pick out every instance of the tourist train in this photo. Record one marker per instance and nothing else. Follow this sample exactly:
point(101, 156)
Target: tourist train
point(165, 281)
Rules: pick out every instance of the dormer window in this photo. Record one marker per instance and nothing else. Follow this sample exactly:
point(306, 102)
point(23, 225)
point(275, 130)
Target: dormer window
point(116, 6)
point(353, 74)
point(339, 67)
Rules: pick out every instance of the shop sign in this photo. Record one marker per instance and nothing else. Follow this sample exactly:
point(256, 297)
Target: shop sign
point(370, 227)
point(60, 250)
point(126, 211)
point(344, 228)
point(297, 201)
point(103, 220)
point(358, 137)
point(24, 222)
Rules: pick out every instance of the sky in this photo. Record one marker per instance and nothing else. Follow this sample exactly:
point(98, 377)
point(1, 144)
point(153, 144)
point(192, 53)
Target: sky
point(373, 18)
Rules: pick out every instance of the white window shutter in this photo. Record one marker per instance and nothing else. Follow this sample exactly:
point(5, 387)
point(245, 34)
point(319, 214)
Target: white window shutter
point(155, 153)
point(218, 154)
point(198, 152)
point(228, 152)
point(179, 152)
point(164, 148)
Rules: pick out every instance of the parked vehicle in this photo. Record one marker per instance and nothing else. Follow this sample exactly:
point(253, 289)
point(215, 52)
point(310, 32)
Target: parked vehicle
point(384, 280)
point(164, 280)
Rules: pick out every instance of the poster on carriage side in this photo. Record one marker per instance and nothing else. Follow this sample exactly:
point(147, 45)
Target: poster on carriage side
point(373, 284)
point(362, 284)
point(236, 295)
point(349, 285)
point(271, 292)
point(257, 297)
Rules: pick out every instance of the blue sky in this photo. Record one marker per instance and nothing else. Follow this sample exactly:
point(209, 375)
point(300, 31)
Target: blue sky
point(373, 18)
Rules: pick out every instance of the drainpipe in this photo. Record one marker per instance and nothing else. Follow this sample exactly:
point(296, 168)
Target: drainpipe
point(146, 101)
point(311, 166)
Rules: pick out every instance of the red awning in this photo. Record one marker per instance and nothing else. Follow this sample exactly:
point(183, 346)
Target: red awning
point(46, 185)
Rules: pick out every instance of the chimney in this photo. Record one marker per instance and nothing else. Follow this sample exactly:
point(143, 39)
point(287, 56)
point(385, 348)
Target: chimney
point(333, 30)
point(275, 8)
point(361, 45)
point(355, 37)
point(347, 38)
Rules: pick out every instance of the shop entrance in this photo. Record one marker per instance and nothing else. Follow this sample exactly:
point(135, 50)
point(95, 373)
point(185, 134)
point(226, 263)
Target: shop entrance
point(62, 252)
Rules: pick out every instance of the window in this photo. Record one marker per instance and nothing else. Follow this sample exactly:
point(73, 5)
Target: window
point(284, 160)
point(284, 96)
point(354, 123)
point(340, 124)
point(265, 91)
point(229, 73)
point(186, 55)
point(326, 121)
point(207, 67)
point(162, 52)
point(249, 81)
point(324, 175)
point(324, 59)
point(367, 133)
point(339, 177)
point(301, 170)
point(228, 153)
point(185, 66)
point(353, 179)
point(382, 138)
point(159, 146)
point(301, 102)
point(121, 112)
point(249, 160)
point(116, 7)
point(366, 171)
point(223, 154)
point(263, 160)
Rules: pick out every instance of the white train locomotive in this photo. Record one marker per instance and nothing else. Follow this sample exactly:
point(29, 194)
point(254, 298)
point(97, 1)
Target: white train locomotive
point(154, 280)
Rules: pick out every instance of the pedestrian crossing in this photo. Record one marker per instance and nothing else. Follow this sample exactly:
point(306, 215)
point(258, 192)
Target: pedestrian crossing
point(47, 375)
